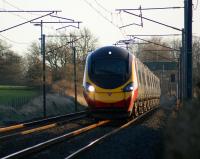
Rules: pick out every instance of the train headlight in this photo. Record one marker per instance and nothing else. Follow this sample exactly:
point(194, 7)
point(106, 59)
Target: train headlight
point(128, 87)
point(89, 87)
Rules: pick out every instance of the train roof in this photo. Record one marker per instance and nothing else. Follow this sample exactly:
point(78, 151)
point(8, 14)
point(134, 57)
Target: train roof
point(110, 51)
point(115, 52)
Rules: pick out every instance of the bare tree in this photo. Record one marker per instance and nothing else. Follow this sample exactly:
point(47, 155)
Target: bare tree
point(59, 52)
point(151, 52)
point(11, 65)
point(196, 60)
point(34, 67)
point(87, 43)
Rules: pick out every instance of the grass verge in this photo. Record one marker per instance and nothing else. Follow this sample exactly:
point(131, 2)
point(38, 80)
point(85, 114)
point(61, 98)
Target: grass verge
point(13, 93)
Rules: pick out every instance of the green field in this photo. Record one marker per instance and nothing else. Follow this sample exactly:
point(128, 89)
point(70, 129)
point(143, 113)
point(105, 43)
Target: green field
point(12, 93)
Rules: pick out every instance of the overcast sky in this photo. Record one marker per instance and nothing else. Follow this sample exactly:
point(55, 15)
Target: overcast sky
point(97, 15)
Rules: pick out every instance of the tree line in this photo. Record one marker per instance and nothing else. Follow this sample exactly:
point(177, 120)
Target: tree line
point(18, 70)
point(15, 69)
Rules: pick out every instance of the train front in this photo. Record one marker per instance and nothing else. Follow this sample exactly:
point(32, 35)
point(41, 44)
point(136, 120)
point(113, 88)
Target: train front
point(108, 82)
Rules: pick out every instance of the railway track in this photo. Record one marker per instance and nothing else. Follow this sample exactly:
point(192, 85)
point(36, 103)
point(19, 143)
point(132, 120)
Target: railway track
point(103, 137)
point(53, 141)
point(26, 134)
point(60, 139)
point(39, 125)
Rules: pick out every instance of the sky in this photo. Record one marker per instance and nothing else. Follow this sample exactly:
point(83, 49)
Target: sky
point(99, 16)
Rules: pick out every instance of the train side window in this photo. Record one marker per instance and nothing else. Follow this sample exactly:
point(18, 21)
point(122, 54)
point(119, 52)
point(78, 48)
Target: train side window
point(153, 82)
point(139, 75)
point(144, 79)
point(156, 84)
point(147, 78)
point(150, 80)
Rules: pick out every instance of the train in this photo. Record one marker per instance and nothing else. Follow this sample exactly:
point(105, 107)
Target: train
point(118, 85)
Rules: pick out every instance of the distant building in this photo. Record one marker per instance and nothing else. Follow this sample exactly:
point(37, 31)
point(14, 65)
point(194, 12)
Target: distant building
point(168, 74)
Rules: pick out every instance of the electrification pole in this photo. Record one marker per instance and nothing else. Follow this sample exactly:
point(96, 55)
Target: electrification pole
point(69, 21)
point(42, 38)
point(44, 69)
point(75, 79)
point(188, 46)
point(40, 23)
point(183, 67)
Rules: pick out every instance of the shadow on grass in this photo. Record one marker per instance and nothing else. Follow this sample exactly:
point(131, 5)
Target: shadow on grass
point(55, 105)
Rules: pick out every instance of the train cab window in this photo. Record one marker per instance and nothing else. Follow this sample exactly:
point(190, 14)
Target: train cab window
point(110, 67)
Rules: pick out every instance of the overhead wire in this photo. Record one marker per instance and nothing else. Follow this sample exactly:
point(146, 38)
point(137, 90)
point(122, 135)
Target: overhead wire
point(160, 8)
point(97, 11)
point(122, 22)
point(100, 5)
point(17, 8)
point(163, 57)
point(22, 17)
point(10, 4)
point(4, 1)
point(103, 16)
point(21, 43)
point(155, 43)
point(105, 9)
point(196, 6)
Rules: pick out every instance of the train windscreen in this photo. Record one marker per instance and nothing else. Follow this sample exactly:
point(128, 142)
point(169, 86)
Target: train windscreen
point(110, 67)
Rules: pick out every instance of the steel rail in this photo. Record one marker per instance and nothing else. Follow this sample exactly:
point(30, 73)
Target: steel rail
point(42, 121)
point(96, 141)
point(38, 129)
point(53, 141)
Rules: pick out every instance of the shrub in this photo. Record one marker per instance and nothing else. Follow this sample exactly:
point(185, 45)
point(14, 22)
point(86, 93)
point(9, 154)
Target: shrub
point(182, 139)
